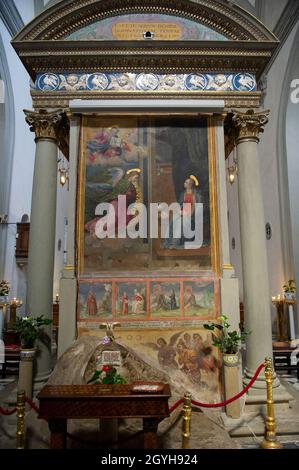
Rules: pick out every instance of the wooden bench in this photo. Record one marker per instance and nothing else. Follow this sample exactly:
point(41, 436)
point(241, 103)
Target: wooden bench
point(282, 360)
point(11, 362)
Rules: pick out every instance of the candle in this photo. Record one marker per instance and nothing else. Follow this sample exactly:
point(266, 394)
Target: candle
point(291, 322)
point(57, 297)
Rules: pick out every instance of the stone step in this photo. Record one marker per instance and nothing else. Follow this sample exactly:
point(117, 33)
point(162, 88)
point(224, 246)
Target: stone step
point(287, 424)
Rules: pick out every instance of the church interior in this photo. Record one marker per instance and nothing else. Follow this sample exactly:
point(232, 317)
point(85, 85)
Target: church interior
point(149, 224)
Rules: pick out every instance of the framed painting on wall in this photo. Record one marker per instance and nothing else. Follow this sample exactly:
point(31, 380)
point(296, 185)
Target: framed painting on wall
point(130, 169)
point(143, 300)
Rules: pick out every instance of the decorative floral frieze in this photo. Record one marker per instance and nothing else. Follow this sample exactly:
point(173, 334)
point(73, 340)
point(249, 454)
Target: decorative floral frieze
point(144, 82)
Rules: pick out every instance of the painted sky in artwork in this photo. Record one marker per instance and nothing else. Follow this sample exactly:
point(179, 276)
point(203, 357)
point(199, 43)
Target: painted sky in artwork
point(165, 27)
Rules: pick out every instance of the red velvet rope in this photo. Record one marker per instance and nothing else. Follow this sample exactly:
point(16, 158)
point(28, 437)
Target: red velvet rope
point(7, 412)
point(13, 410)
point(32, 404)
point(177, 403)
point(223, 403)
point(230, 400)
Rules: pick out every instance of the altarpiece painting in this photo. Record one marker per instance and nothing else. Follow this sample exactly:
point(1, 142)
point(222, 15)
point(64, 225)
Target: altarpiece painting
point(160, 289)
point(129, 161)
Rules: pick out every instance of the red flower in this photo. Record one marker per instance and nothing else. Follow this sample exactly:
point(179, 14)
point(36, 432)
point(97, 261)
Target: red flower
point(106, 368)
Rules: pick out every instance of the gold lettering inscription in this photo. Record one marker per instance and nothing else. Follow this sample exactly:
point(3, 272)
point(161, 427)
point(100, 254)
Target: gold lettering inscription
point(134, 31)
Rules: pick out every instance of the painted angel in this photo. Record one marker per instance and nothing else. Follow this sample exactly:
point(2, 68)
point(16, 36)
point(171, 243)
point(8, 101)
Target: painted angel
point(220, 82)
point(166, 352)
point(72, 82)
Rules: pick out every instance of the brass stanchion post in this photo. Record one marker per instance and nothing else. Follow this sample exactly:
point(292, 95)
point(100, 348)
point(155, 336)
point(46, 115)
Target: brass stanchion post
point(270, 441)
point(21, 420)
point(187, 409)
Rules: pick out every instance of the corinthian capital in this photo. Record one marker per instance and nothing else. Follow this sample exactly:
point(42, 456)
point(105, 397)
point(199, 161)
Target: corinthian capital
point(44, 124)
point(250, 124)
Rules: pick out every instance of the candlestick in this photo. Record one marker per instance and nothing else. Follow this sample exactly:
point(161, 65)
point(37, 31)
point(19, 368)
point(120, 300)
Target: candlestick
point(279, 302)
point(14, 304)
point(2, 313)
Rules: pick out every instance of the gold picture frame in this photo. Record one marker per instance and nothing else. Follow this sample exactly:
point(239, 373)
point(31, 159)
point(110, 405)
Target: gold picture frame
point(212, 159)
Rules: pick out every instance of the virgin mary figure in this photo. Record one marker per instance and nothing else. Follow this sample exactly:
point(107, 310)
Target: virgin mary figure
point(186, 216)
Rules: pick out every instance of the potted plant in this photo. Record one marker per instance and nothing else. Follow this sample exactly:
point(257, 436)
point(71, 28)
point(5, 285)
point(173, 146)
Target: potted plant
point(289, 290)
point(4, 291)
point(228, 342)
point(30, 329)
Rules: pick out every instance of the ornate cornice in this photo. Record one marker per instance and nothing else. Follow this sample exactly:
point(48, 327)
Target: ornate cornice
point(137, 56)
point(249, 125)
point(42, 47)
point(70, 15)
point(49, 125)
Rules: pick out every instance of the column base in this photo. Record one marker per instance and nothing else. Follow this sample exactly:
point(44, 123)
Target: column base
point(287, 426)
point(40, 380)
point(260, 383)
point(256, 400)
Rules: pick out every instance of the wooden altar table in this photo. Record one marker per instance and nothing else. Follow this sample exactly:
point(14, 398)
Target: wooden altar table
point(58, 403)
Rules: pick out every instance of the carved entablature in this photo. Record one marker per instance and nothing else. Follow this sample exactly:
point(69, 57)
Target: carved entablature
point(82, 48)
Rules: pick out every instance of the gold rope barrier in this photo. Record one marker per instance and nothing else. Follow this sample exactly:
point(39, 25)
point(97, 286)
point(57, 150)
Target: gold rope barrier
point(187, 409)
point(270, 441)
point(20, 420)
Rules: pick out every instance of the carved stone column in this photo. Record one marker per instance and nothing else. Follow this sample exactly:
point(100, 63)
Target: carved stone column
point(257, 299)
point(46, 126)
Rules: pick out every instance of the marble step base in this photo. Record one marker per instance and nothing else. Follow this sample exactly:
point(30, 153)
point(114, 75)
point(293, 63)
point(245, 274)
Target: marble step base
point(287, 424)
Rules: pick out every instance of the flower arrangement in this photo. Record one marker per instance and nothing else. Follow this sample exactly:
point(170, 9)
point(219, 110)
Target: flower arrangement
point(290, 287)
point(4, 288)
point(107, 374)
point(111, 376)
point(30, 329)
point(229, 341)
